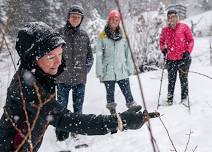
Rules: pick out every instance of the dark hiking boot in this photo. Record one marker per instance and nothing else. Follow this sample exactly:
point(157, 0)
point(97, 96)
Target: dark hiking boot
point(169, 102)
point(61, 135)
point(184, 101)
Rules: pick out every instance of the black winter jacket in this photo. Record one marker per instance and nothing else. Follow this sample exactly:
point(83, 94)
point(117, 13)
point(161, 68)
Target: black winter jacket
point(39, 89)
point(78, 55)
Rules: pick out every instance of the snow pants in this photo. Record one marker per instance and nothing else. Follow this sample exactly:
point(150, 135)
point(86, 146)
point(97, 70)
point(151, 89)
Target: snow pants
point(181, 66)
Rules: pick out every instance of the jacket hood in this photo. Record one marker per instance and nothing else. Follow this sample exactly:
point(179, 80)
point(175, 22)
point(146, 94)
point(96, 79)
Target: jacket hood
point(35, 40)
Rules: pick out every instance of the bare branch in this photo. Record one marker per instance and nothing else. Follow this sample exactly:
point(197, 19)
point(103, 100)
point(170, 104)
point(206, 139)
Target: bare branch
point(13, 123)
point(168, 134)
point(28, 136)
point(24, 109)
point(136, 70)
point(209, 105)
point(189, 137)
point(195, 148)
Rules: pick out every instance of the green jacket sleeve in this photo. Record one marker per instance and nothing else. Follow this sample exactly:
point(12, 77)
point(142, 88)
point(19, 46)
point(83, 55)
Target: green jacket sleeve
point(99, 57)
point(129, 60)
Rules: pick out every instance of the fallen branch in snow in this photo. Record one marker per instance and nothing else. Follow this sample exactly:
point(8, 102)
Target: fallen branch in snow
point(201, 74)
point(168, 134)
point(208, 104)
point(194, 149)
point(189, 137)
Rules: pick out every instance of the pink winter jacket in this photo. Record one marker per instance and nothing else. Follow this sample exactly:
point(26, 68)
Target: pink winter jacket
point(177, 41)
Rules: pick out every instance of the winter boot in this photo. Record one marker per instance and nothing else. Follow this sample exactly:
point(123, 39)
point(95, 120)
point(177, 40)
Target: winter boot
point(131, 104)
point(170, 102)
point(111, 107)
point(61, 135)
point(184, 101)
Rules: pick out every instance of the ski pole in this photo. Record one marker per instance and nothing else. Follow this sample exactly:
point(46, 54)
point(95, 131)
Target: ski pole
point(161, 80)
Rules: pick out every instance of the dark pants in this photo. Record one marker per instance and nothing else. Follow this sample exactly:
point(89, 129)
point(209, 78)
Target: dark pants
point(181, 66)
point(124, 86)
point(78, 92)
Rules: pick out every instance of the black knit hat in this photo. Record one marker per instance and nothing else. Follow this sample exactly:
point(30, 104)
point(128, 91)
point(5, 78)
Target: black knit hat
point(76, 9)
point(172, 11)
point(35, 40)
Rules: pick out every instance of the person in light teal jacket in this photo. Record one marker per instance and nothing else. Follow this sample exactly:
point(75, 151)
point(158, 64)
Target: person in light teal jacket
point(114, 62)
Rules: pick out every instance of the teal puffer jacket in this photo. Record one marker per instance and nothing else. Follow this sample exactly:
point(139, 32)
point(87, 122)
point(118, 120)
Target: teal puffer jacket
point(113, 59)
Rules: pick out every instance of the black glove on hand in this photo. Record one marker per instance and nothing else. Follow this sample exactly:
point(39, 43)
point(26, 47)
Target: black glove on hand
point(186, 55)
point(132, 118)
point(165, 50)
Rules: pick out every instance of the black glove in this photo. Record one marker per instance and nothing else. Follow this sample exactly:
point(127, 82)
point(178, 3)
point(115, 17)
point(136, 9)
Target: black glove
point(186, 55)
point(165, 50)
point(132, 118)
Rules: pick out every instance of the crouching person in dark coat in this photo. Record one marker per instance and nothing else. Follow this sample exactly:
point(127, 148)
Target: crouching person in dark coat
point(31, 101)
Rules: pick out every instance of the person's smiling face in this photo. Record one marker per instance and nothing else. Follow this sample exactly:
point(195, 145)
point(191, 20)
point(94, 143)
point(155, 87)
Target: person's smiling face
point(172, 20)
point(75, 19)
point(50, 62)
point(114, 22)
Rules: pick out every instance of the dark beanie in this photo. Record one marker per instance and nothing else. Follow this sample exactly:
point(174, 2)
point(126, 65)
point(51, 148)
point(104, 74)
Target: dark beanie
point(171, 12)
point(35, 40)
point(76, 9)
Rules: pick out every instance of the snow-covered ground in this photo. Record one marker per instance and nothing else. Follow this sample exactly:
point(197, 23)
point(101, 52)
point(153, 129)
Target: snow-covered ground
point(177, 119)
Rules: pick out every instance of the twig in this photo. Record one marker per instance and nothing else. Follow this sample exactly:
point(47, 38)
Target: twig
point(189, 137)
point(25, 111)
point(139, 81)
point(208, 104)
point(13, 124)
point(201, 74)
point(28, 136)
point(6, 27)
point(195, 148)
point(168, 134)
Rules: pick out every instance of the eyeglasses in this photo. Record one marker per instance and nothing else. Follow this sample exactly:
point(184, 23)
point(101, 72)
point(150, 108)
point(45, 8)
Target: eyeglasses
point(74, 16)
point(172, 16)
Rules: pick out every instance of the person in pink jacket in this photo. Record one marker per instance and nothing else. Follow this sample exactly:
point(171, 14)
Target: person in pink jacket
point(176, 44)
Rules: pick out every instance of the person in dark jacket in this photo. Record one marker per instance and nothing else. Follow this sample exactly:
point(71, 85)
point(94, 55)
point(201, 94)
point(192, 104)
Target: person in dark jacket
point(31, 97)
point(176, 43)
point(79, 59)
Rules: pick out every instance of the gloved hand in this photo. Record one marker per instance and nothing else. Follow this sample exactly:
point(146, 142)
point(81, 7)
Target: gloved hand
point(165, 50)
point(186, 55)
point(132, 118)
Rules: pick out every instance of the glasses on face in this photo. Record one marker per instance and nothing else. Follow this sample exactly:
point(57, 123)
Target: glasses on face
point(53, 56)
point(74, 16)
point(172, 16)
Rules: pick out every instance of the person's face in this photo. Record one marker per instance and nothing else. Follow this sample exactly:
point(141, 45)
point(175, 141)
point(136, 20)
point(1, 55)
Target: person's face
point(114, 22)
point(172, 20)
point(50, 62)
point(75, 19)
